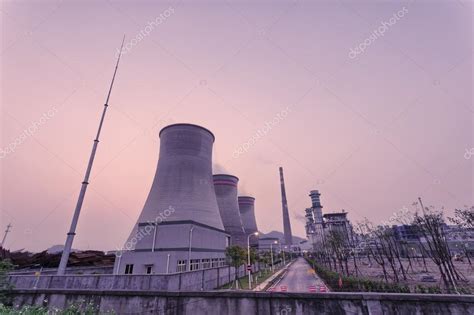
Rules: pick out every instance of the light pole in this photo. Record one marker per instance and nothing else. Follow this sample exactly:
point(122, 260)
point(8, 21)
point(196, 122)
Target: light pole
point(190, 244)
point(248, 258)
point(283, 253)
point(118, 262)
point(271, 252)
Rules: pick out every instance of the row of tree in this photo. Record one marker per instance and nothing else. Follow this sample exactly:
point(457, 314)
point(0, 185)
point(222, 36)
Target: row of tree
point(380, 245)
point(237, 257)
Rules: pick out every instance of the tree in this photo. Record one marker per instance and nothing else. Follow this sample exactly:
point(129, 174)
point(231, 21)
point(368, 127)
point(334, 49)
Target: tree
point(253, 256)
point(265, 258)
point(237, 256)
point(464, 217)
point(431, 226)
point(5, 286)
point(339, 247)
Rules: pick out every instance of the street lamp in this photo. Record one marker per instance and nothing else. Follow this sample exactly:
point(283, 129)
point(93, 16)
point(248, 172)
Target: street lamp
point(283, 253)
point(168, 264)
point(190, 244)
point(248, 258)
point(271, 251)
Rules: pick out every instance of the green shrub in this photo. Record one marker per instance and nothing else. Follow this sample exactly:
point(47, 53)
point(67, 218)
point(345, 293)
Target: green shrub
point(78, 308)
point(356, 284)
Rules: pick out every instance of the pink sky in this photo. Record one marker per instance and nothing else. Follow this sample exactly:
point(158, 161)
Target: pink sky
point(371, 133)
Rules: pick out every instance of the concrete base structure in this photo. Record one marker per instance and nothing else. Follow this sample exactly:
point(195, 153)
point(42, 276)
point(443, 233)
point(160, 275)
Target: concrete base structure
point(199, 280)
point(236, 303)
point(171, 247)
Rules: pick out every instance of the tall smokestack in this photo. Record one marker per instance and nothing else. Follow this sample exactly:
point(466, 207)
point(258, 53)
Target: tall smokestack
point(247, 212)
point(286, 216)
point(226, 193)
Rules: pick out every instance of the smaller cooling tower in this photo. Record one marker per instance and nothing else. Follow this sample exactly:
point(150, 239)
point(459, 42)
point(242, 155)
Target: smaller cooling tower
point(247, 212)
point(226, 193)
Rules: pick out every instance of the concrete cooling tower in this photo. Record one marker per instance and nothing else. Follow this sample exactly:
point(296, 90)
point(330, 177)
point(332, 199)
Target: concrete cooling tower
point(180, 227)
point(247, 212)
point(226, 193)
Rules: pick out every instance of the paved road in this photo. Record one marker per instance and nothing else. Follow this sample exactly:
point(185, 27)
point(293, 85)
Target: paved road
point(299, 278)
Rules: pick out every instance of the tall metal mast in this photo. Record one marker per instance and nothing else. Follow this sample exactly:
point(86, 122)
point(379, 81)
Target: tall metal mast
point(80, 200)
point(6, 233)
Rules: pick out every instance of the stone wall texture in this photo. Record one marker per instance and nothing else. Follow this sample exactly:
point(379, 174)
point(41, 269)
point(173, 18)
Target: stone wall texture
point(242, 302)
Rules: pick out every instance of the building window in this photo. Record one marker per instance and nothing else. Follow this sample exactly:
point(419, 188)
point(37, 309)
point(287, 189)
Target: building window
point(181, 266)
point(206, 263)
point(194, 264)
point(149, 269)
point(221, 262)
point(215, 262)
point(129, 269)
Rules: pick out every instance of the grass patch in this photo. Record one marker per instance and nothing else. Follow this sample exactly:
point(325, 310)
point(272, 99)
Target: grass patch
point(258, 278)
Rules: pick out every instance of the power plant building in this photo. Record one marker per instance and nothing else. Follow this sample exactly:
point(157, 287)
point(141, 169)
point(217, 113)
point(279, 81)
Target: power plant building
point(314, 220)
point(180, 227)
point(319, 225)
point(226, 193)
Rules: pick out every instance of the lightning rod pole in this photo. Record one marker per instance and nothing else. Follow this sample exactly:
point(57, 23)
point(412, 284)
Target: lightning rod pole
point(80, 200)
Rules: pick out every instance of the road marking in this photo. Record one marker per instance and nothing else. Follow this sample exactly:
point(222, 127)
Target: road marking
point(312, 288)
point(283, 288)
point(322, 288)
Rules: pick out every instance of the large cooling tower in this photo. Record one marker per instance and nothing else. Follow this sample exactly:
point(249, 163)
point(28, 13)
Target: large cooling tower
point(226, 193)
point(183, 177)
point(247, 212)
point(180, 227)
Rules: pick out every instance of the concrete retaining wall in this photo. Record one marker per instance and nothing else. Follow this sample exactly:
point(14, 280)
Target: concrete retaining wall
point(205, 279)
point(69, 270)
point(234, 303)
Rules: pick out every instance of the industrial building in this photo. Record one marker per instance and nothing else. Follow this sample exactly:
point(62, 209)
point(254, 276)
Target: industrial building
point(338, 222)
point(319, 225)
point(314, 220)
point(180, 227)
point(226, 192)
point(266, 244)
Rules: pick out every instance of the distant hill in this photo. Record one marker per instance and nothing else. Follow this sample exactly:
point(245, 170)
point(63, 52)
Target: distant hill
point(278, 234)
